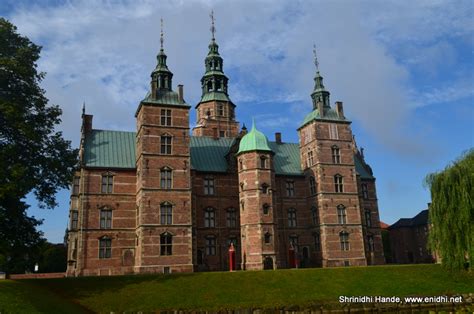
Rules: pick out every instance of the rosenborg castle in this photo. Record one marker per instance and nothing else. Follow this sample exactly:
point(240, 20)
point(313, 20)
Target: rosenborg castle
point(169, 199)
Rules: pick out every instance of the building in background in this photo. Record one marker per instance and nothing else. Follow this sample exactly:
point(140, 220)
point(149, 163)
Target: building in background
point(163, 200)
point(409, 240)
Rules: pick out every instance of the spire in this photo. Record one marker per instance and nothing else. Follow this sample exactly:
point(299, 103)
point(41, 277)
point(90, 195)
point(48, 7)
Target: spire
point(161, 76)
point(214, 81)
point(319, 93)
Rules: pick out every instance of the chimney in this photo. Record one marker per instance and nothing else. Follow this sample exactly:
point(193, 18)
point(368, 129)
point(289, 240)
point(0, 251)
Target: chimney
point(214, 134)
point(278, 137)
point(180, 93)
point(86, 123)
point(339, 109)
point(320, 109)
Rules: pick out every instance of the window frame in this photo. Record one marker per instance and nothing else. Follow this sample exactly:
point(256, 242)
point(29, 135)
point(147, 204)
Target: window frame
point(336, 154)
point(317, 242)
point(166, 213)
point(292, 218)
point(290, 188)
point(209, 186)
point(341, 214)
point(211, 245)
point(209, 217)
point(166, 244)
point(370, 243)
point(74, 219)
point(107, 183)
point(231, 219)
point(314, 215)
point(106, 217)
point(365, 191)
point(267, 238)
point(368, 218)
point(166, 178)
point(312, 185)
point(344, 241)
point(165, 117)
point(105, 247)
point(166, 144)
point(339, 183)
point(76, 183)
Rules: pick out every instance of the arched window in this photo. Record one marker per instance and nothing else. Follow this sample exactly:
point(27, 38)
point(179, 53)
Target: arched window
point(266, 209)
point(105, 247)
point(209, 217)
point(338, 183)
point(268, 238)
point(344, 240)
point(336, 157)
point(291, 217)
point(166, 213)
point(263, 162)
point(312, 185)
point(341, 214)
point(166, 244)
point(231, 218)
point(314, 215)
point(264, 188)
point(368, 219)
point(166, 175)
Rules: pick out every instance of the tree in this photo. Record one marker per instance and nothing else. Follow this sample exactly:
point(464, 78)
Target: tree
point(34, 157)
point(452, 213)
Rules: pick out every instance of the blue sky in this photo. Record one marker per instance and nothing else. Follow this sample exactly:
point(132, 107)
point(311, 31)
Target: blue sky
point(404, 70)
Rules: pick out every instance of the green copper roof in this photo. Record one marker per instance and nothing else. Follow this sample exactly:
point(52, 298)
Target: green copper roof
point(164, 97)
point(219, 96)
point(254, 140)
point(329, 114)
point(116, 150)
point(110, 149)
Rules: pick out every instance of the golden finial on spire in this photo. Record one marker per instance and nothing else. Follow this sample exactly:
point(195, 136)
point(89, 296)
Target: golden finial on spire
point(161, 34)
point(213, 28)
point(316, 63)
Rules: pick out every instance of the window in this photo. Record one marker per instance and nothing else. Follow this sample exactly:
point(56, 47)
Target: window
point(211, 245)
point(209, 218)
point(314, 215)
point(336, 157)
point(317, 242)
point(166, 117)
point(105, 219)
point(105, 248)
point(166, 144)
point(74, 219)
point(166, 213)
point(370, 242)
point(341, 214)
point(264, 188)
point(310, 158)
point(268, 238)
point(231, 218)
point(333, 132)
point(344, 239)
point(294, 241)
point(266, 209)
point(368, 220)
point(312, 185)
point(291, 217)
point(365, 191)
point(220, 108)
point(107, 183)
point(166, 244)
point(208, 186)
point(221, 133)
point(263, 162)
point(290, 188)
point(338, 183)
point(75, 185)
point(166, 176)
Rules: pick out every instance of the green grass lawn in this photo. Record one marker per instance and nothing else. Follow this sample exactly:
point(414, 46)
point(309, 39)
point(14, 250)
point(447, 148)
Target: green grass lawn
point(219, 290)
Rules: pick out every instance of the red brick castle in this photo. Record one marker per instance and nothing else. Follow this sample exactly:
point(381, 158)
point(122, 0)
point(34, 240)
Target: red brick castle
point(161, 200)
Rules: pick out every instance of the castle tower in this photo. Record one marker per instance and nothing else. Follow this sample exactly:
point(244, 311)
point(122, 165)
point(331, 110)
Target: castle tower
point(327, 159)
point(164, 222)
point(257, 215)
point(215, 111)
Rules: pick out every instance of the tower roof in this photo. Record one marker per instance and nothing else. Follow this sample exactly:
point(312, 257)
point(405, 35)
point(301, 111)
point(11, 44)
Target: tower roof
point(254, 141)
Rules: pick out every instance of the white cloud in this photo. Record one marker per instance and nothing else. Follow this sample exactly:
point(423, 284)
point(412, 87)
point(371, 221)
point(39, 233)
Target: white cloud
point(103, 53)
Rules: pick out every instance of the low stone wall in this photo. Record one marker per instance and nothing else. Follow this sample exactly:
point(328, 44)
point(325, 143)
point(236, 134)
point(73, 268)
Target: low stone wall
point(36, 276)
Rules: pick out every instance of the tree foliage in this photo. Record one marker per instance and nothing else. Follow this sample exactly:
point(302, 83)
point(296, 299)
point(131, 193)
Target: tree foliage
point(34, 157)
point(452, 213)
